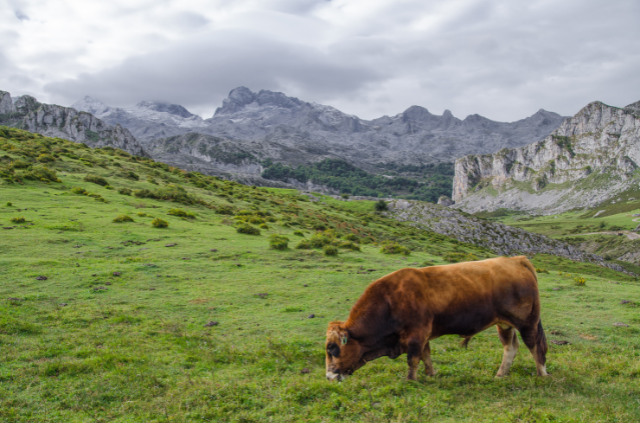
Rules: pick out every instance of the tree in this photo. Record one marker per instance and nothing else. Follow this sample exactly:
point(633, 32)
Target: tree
point(381, 206)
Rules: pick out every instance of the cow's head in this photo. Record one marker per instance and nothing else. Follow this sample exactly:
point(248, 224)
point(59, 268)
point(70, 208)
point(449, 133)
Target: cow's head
point(344, 354)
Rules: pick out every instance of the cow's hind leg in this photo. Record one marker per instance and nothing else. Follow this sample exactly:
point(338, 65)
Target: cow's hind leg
point(426, 359)
point(536, 341)
point(510, 342)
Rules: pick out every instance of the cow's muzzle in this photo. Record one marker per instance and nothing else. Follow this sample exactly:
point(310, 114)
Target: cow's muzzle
point(336, 376)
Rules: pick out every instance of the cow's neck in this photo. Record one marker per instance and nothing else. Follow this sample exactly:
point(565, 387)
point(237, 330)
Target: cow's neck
point(372, 324)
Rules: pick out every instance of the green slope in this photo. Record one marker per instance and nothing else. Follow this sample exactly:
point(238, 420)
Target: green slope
point(118, 330)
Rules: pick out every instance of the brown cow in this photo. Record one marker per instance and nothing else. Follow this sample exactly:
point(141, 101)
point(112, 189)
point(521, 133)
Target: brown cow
point(401, 312)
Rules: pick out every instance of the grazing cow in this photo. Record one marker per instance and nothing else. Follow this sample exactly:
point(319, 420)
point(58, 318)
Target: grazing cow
point(401, 312)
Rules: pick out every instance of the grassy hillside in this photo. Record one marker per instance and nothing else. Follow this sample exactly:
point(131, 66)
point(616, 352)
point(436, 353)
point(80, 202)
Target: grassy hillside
point(125, 322)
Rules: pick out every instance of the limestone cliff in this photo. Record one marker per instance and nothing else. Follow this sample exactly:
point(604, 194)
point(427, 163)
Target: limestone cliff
point(64, 122)
point(591, 157)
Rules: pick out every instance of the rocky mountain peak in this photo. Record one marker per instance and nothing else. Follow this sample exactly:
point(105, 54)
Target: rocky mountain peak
point(633, 108)
point(239, 98)
point(25, 104)
point(158, 106)
point(91, 105)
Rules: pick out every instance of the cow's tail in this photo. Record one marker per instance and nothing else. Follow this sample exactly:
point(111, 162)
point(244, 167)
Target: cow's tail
point(541, 344)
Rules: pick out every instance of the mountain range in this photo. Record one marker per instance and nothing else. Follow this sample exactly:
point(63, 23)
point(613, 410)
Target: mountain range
point(270, 125)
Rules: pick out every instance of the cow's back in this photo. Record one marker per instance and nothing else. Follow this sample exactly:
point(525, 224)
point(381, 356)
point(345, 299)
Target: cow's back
point(462, 298)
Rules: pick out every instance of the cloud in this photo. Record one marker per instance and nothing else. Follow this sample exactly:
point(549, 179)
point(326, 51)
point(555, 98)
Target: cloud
point(498, 58)
point(200, 73)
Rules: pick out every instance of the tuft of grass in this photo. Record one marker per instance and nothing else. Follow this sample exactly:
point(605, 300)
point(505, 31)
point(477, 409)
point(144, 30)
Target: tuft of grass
point(455, 257)
point(245, 228)
point(96, 179)
point(159, 223)
point(182, 213)
point(330, 250)
point(122, 218)
point(18, 220)
point(278, 242)
point(394, 248)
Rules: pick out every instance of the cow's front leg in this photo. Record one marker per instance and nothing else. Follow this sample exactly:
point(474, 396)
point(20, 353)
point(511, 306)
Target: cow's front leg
point(426, 359)
point(415, 349)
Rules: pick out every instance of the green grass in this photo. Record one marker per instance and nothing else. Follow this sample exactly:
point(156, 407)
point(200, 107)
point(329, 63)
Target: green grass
point(90, 345)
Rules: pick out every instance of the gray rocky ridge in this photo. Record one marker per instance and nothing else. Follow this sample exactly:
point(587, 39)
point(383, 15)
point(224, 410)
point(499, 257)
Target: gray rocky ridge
point(591, 157)
point(271, 125)
point(499, 238)
point(64, 122)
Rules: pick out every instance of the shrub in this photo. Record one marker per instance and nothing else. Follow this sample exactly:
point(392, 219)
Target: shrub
point(46, 158)
point(141, 214)
point(40, 173)
point(124, 191)
point(256, 220)
point(319, 240)
point(394, 248)
point(278, 242)
point(264, 226)
point(9, 204)
point(171, 192)
point(129, 174)
point(122, 218)
point(245, 228)
point(159, 223)
point(182, 213)
point(298, 233)
point(18, 220)
point(381, 206)
point(96, 179)
point(541, 270)
point(351, 237)
point(350, 245)
point(457, 257)
point(108, 187)
point(330, 250)
point(228, 210)
point(79, 190)
point(579, 281)
point(304, 245)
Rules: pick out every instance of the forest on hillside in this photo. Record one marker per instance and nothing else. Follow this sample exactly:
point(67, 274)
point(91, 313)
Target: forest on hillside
point(424, 182)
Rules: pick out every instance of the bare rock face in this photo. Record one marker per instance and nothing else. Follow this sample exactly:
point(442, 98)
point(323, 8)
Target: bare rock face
point(445, 201)
point(588, 159)
point(64, 122)
point(6, 104)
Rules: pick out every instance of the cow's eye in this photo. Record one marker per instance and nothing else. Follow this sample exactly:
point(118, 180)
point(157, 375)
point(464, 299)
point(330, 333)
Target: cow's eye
point(333, 349)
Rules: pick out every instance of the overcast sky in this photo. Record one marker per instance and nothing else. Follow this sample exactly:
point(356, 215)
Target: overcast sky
point(503, 59)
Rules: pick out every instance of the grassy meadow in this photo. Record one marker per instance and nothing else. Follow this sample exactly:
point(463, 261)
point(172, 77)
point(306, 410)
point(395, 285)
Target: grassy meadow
point(196, 322)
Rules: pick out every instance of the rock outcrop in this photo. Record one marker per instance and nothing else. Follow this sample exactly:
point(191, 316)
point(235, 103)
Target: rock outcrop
point(64, 122)
point(271, 125)
point(588, 159)
point(499, 238)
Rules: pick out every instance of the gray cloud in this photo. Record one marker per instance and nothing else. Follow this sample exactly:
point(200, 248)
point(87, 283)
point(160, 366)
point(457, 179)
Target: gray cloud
point(201, 73)
point(498, 58)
